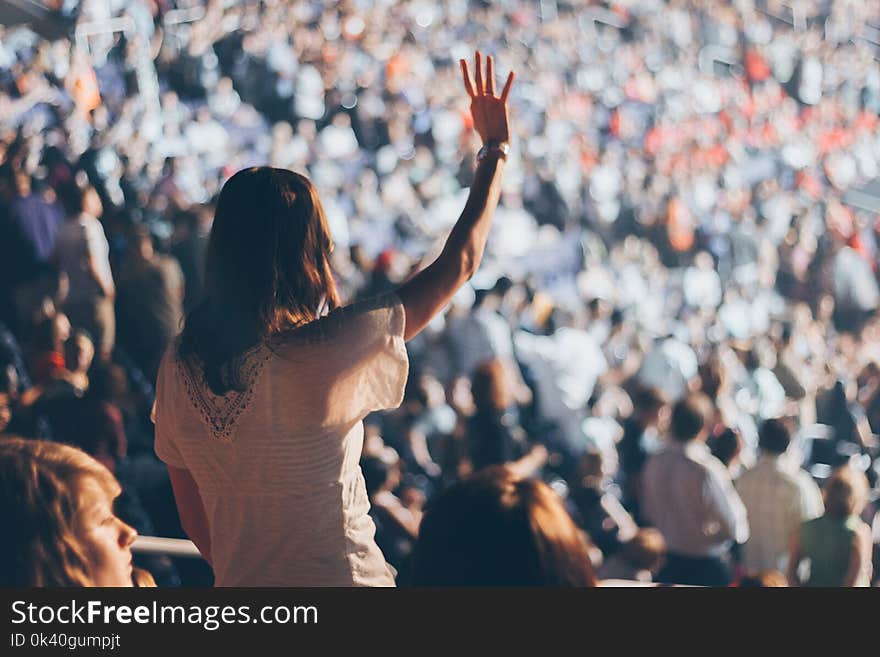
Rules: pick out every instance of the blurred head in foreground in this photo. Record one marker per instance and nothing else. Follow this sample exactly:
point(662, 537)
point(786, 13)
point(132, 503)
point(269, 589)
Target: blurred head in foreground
point(845, 492)
point(497, 529)
point(766, 579)
point(56, 505)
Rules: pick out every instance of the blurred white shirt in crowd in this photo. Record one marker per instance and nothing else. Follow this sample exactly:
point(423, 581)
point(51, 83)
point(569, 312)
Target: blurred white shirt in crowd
point(778, 497)
point(688, 495)
point(669, 367)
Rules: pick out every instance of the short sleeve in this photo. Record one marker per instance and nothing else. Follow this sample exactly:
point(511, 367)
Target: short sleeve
point(377, 339)
point(358, 352)
point(163, 419)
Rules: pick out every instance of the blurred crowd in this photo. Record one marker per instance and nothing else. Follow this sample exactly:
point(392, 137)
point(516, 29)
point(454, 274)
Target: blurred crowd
point(681, 283)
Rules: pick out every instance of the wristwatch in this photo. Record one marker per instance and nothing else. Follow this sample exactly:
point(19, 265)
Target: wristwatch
point(499, 148)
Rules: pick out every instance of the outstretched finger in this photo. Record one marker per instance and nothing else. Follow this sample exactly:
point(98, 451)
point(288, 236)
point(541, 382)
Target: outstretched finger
point(490, 76)
point(468, 85)
point(479, 73)
point(507, 86)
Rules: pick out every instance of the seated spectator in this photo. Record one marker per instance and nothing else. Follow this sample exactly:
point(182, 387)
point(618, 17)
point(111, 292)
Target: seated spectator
point(837, 544)
point(46, 360)
point(778, 497)
point(24, 418)
point(5, 411)
point(79, 352)
point(639, 559)
point(498, 529)
point(99, 427)
point(56, 503)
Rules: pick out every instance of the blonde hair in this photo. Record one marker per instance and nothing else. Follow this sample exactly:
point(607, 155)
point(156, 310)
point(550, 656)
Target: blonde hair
point(766, 579)
point(41, 499)
point(646, 550)
point(845, 492)
point(142, 578)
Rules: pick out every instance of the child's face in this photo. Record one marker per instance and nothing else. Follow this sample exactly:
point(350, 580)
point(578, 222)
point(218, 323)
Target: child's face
point(105, 538)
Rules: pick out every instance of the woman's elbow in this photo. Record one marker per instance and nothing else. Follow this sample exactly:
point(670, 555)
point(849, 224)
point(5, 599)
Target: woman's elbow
point(468, 264)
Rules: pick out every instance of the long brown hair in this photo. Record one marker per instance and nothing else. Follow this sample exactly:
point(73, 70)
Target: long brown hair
point(267, 269)
point(40, 503)
point(499, 529)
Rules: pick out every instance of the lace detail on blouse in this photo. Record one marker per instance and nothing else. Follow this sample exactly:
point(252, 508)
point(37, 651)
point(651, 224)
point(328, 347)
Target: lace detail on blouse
point(221, 413)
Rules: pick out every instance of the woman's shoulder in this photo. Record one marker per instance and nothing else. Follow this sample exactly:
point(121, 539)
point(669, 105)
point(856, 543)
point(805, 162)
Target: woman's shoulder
point(356, 321)
point(170, 357)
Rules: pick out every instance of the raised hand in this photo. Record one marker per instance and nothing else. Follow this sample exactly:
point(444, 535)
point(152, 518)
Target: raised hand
point(488, 110)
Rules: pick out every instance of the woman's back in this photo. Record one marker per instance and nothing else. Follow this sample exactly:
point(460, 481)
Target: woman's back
point(277, 463)
point(266, 475)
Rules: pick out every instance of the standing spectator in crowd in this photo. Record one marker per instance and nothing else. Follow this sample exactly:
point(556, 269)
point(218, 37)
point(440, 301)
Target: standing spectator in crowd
point(259, 409)
point(56, 503)
point(189, 242)
point(778, 497)
point(19, 265)
point(483, 335)
point(838, 408)
point(494, 431)
point(837, 545)
point(687, 494)
point(596, 509)
point(641, 439)
point(733, 213)
point(727, 447)
point(498, 529)
point(397, 523)
point(149, 303)
point(83, 253)
point(38, 218)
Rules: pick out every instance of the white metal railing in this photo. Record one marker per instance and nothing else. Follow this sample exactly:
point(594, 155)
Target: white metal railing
point(173, 547)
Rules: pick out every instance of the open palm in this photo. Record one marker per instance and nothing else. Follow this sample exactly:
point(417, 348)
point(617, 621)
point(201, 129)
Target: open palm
point(488, 110)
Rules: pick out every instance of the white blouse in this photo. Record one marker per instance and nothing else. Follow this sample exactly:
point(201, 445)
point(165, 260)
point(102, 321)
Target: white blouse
point(277, 464)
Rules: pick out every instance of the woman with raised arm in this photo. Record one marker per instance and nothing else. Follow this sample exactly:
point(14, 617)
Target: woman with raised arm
point(259, 404)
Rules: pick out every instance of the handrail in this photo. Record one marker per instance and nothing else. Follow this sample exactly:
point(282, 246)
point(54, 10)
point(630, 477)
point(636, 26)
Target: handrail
point(173, 547)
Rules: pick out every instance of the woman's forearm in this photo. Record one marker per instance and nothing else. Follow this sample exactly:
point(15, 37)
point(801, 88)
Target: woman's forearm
point(191, 510)
point(431, 289)
point(467, 240)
